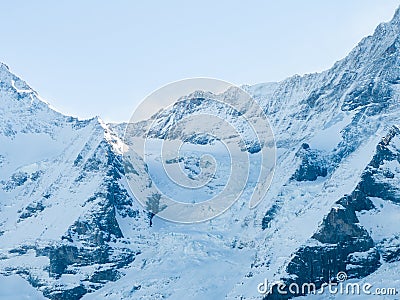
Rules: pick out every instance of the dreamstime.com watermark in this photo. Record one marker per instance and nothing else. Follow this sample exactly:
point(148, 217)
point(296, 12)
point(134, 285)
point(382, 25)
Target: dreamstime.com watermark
point(341, 287)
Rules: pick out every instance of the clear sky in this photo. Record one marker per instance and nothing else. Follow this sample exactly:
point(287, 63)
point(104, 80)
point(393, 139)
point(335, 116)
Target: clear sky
point(91, 58)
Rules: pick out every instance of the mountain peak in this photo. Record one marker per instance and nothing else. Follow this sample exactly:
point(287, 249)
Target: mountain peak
point(4, 66)
point(396, 16)
point(389, 29)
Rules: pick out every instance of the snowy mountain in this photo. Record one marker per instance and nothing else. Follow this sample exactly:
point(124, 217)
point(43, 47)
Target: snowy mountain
point(72, 229)
point(61, 196)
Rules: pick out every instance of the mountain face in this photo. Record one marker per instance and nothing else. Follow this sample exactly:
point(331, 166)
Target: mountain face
point(71, 227)
point(61, 195)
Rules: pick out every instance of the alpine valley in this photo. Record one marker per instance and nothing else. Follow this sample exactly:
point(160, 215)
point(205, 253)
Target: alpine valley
point(70, 227)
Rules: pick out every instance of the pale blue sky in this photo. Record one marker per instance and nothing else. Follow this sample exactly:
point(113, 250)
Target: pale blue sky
point(102, 58)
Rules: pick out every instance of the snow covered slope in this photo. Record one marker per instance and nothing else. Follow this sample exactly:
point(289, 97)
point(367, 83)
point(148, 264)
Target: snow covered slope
point(327, 126)
point(71, 228)
point(61, 191)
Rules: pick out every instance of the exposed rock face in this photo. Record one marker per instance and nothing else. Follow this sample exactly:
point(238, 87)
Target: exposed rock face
point(66, 202)
point(269, 215)
point(381, 183)
point(379, 180)
point(97, 234)
point(313, 164)
point(342, 244)
point(339, 226)
point(341, 236)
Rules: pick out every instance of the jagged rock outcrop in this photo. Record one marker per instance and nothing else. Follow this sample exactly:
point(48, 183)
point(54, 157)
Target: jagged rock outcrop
point(63, 194)
point(342, 244)
point(313, 164)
